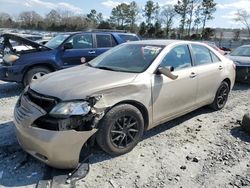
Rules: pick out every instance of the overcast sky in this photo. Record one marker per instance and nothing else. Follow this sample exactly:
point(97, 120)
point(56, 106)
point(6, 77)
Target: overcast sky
point(223, 16)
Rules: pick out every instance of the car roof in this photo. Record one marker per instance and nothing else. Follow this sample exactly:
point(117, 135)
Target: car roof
point(98, 32)
point(164, 42)
point(245, 46)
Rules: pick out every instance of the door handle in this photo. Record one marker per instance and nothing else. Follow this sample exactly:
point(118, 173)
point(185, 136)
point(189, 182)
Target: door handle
point(91, 52)
point(193, 75)
point(220, 67)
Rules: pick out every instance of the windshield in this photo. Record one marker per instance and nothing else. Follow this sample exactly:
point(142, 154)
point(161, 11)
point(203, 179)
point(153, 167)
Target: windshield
point(241, 51)
point(133, 58)
point(56, 41)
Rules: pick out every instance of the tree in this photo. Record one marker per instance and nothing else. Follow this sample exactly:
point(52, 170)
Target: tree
point(143, 29)
point(166, 17)
point(30, 19)
point(181, 8)
point(192, 8)
point(133, 13)
point(208, 33)
point(236, 35)
point(208, 8)
point(53, 20)
point(119, 15)
point(159, 33)
point(243, 17)
point(150, 11)
point(94, 17)
point(5, 20)
point(197, 18)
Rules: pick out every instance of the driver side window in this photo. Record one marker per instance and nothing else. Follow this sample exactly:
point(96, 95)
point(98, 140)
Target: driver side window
point(81, 41)
point(178, 58)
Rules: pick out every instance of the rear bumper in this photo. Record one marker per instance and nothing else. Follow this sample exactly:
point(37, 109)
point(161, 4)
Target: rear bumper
point(243, 74)
point(59, 149)
point(10, 73)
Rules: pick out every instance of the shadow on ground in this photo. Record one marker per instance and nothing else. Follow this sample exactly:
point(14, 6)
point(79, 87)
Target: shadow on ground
point(241, 86)
point(239, 132)
point(10, 89)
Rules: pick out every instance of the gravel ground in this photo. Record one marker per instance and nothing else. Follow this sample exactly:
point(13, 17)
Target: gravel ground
point(201, 149)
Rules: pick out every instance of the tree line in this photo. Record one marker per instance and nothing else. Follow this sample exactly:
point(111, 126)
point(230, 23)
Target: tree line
point(151, 21)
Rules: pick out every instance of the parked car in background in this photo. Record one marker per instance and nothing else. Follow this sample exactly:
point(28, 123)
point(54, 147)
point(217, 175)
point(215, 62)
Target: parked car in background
point(213, 45)
point(63, 51)
point(241, 58)
point(42, 41)
point(117, 96)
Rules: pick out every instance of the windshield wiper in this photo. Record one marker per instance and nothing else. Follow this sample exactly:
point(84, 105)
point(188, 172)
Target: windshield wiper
point(105, 68)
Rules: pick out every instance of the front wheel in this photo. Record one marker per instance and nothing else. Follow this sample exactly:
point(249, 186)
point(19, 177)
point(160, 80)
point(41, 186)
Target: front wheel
point(120, 129)
point(221, 96)
point(35, 74)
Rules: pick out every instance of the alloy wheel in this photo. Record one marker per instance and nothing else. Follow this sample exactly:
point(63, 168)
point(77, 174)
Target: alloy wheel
point(222, 96)
point(124, 131)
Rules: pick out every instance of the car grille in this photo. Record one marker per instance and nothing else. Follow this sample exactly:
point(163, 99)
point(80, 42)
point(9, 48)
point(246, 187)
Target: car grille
point(21, 113)
point(45, 102)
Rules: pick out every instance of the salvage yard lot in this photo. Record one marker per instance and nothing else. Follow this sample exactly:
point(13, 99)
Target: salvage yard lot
point(201, 149)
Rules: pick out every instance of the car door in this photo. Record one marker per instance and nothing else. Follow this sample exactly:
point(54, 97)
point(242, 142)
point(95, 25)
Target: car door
point(209, 72)
point(173, 97)
point(81, 51)
point(103, 43)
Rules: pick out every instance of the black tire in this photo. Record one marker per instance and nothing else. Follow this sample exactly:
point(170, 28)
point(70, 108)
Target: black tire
point(221, 96)
point(246, 122)
point(30, 75)
point(116, 126)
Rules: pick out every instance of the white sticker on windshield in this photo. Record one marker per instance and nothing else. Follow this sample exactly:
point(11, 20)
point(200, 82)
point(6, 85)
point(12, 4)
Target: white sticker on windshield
point(152, 48)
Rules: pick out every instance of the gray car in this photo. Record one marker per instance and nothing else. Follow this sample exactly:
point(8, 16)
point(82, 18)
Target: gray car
point(241, 58)
point(117, 96)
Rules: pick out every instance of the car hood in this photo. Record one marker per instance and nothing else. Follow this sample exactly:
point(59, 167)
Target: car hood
point(80, 82)
point(240, 59)
point(23, 40)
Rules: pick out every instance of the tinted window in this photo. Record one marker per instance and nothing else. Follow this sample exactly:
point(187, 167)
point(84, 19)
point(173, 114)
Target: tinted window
point(81, 41)
point(179, 58)
point(201, 54)
point(127, 38)
point(214, 57)
point(103, 41)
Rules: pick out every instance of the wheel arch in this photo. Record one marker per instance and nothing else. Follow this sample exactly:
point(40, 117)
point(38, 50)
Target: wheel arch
point(45, 65)
point(228, 81)
point(140, 107)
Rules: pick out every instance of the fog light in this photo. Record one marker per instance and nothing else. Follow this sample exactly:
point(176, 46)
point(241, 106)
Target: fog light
point(6, 74)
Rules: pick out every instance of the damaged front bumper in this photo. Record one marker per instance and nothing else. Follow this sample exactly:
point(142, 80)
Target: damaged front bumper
point(59, 149)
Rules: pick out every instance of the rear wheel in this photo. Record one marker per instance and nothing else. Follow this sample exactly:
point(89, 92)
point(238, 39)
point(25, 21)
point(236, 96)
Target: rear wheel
point(120, 129)
point(35, 74)
point(221, 97)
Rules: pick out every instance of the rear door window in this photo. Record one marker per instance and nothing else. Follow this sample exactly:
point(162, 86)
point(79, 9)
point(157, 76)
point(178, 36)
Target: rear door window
point(201, 54)
point(215, 59)
point(104, 41)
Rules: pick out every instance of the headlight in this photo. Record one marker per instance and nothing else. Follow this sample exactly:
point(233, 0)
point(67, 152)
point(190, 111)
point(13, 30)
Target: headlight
point(71, 108)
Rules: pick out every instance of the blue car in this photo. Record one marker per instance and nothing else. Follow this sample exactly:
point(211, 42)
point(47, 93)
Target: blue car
point(24, 61)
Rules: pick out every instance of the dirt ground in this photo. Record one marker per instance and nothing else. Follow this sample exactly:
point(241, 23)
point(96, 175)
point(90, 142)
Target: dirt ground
point(201, 149)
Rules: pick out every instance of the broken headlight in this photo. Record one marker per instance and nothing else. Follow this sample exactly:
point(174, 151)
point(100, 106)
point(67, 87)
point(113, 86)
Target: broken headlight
point(71, 108)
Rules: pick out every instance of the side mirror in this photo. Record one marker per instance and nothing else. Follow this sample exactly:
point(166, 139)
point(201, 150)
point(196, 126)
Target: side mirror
point(167, 71)
point(68, 46)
